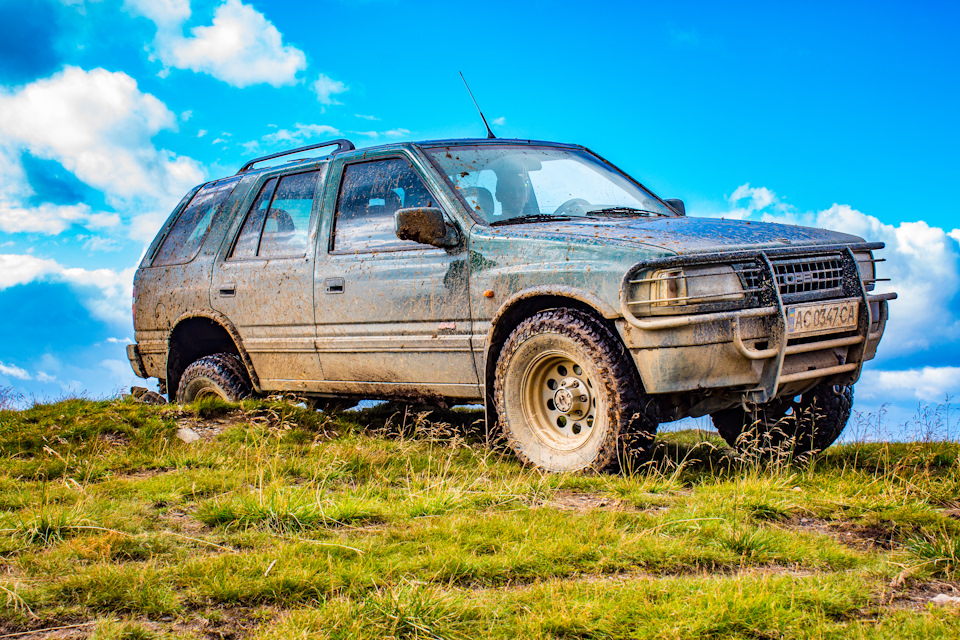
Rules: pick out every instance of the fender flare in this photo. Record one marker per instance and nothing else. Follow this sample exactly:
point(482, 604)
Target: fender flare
point(231, 330)
point(553, 291)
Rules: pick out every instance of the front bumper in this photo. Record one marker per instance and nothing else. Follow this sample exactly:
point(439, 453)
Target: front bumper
point(747, 352)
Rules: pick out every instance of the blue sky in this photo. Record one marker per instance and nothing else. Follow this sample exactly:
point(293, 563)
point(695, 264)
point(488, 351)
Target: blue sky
point(833, 114)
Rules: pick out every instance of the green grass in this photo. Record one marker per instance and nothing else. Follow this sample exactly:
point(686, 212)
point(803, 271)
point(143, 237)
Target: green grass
point(399, 522)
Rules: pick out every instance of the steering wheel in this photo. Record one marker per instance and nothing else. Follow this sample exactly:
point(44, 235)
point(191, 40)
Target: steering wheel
point(570, 204)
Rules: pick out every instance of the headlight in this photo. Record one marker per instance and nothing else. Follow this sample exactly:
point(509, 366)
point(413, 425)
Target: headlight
point(690, 289)
point(868, 271)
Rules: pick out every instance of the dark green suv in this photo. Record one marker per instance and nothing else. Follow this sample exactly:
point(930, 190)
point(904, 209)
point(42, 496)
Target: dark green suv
point(533, 277)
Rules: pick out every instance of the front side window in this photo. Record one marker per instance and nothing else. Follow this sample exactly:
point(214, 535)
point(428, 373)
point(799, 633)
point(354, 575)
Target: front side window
point(504, 183)
point(185, 238)
point(370, 193)
point(278, 223)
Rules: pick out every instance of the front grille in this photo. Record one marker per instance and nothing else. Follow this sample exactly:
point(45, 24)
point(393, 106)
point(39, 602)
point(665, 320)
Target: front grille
point(797, 276)
point(802, 275)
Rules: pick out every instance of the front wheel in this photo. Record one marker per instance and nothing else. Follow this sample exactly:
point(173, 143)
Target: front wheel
point(220, 375)
point(798, 425)
point(568, 395)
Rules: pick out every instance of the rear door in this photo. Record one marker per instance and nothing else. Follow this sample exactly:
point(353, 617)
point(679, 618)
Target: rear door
point(263, 279)
point(393, 316)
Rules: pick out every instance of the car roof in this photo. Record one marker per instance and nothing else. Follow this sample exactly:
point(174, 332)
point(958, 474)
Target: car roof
point(447, 142)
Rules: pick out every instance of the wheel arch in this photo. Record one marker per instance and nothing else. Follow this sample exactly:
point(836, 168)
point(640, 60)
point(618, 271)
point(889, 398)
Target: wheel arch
point(524, 304)
point(196, 334)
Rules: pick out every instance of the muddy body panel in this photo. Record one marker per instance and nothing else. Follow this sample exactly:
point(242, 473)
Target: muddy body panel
point(306, 274)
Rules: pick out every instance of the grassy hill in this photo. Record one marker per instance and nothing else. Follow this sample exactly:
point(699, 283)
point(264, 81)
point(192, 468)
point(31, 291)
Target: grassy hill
point(281, 522)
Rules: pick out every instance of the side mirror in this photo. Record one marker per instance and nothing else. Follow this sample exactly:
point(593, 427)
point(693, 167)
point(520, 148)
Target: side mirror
point(426, 225)
point(677, 204)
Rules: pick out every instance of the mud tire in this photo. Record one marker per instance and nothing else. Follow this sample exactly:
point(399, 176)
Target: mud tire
point(624, 420)
point(794, 426)
point(220, 374)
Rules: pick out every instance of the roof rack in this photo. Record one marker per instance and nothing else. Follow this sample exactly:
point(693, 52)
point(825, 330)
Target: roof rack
point(342, 145)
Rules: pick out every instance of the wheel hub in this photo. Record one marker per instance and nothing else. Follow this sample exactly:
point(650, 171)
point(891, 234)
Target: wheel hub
point(572, 398)
point(559, 402)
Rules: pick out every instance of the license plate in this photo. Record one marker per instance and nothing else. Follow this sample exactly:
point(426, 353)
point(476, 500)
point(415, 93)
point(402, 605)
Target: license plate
point(821, 317)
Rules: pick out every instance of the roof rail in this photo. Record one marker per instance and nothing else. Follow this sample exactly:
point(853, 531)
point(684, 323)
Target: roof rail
point(342, 145)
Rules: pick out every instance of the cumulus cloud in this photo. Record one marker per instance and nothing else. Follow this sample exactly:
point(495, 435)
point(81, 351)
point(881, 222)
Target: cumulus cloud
point(301, 133)
point(13, 371)
point(106, 293)
point(241, 47)
point(326, 87)
point(99, 126)
point(926, 384)
point(389, 133)
point(162, 12)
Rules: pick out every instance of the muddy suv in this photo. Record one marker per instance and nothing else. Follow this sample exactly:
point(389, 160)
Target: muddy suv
point(533, 277)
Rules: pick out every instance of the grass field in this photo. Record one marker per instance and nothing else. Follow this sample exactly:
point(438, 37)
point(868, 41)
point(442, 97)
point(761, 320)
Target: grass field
point(390, 522)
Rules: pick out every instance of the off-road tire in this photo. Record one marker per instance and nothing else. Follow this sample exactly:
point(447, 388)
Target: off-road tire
point(220, 374)
point(796, 425)
point(624, 419)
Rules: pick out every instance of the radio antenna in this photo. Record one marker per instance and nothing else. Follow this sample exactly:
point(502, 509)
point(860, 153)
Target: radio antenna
point(489, 132)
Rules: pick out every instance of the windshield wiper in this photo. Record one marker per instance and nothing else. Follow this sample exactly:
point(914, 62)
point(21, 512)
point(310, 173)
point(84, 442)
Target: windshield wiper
point(530, 217)
point(626, 211)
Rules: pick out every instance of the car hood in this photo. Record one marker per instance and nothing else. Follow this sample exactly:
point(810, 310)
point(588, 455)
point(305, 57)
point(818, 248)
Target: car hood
point(684, 235)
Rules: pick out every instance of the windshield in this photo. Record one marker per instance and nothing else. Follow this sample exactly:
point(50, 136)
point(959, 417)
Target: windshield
point(504, 183)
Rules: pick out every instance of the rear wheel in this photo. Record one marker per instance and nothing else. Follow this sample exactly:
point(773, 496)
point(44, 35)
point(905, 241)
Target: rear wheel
point(797, 425)
point(220, 375)
point(568, 395)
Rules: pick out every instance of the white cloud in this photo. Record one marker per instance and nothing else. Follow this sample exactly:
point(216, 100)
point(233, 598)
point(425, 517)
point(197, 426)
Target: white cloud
point(301, 133)
point(241, 47)
point(51, 219)
point(927, 384)
point(326, 87)
point(99, 126)
point(363, 117)
point(390, 133)
point(757, 199)
point(106, 293)
point(13, 371)
point(499, 122)
point(162, 12)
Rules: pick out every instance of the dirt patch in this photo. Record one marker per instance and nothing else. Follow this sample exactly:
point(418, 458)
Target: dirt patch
point(114, 439)
point(207, 429)
point(48, 630)
point(921, 595)
point(182, 522)
point(229, 623)
point(857, 536)
point(578, 501)
point(214, 624)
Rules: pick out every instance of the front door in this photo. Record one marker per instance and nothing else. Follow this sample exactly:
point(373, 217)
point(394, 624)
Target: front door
point(263, 281)
point(393, 316)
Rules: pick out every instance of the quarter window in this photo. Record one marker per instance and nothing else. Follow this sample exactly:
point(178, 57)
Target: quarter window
point(370, 193)
point(278, 222)
point(186, 236)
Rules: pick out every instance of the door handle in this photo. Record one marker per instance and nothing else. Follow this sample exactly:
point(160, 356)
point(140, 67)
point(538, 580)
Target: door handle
point(333, 285)
point(228, 291)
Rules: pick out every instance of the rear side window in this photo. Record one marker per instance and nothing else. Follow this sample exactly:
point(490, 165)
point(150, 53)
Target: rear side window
point(185, 238)
point(278, 222)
